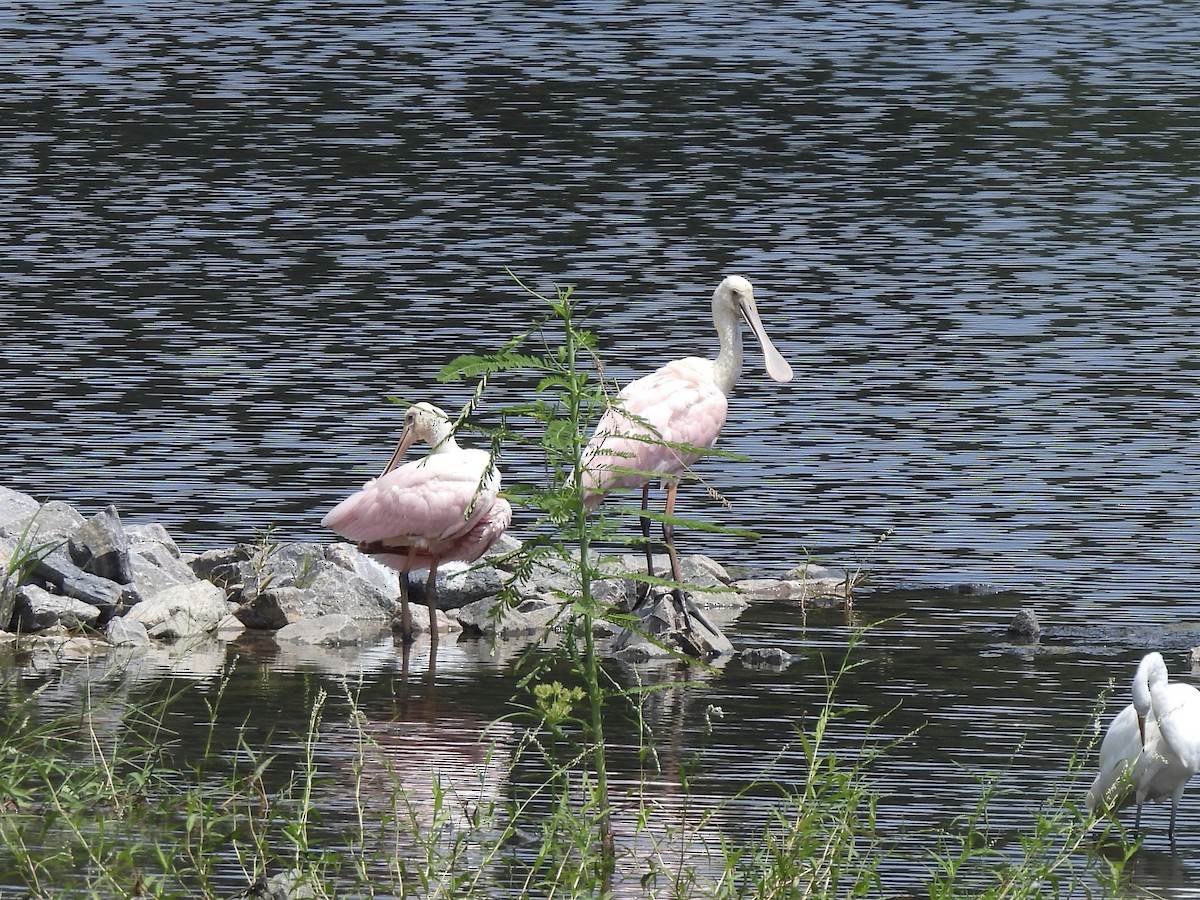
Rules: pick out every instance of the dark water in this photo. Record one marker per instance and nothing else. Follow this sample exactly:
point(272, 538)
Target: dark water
point(230, 230)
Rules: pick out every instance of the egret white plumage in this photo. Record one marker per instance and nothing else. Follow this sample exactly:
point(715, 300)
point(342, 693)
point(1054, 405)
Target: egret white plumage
point(1124, 740)
point(1170, 748)
point(444, 506)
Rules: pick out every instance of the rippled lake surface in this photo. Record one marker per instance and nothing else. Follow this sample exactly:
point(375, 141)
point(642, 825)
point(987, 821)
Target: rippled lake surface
point(231, 230)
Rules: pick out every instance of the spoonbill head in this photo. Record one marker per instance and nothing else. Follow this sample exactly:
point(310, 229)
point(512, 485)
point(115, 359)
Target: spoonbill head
point(423, 423)
point(733, 300)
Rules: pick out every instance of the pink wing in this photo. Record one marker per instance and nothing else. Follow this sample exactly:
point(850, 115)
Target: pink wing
point(426, 502)
point(681, 404)
point(467, 548)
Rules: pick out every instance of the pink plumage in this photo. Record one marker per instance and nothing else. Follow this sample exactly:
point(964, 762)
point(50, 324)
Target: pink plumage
point(445, 506)
point(429, 505)
point(646, 433)
point(661, 423)
point(683, 403)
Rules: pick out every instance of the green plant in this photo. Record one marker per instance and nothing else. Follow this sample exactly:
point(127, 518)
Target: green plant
point(1060, 852)
point(567, 399)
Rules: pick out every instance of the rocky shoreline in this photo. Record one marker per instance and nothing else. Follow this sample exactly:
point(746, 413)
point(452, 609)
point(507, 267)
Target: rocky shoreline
point(64, 577)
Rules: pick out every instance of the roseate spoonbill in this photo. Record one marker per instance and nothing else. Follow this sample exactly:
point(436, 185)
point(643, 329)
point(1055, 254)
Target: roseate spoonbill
point(660, 423)
point(1170, 753)
point(444, 506)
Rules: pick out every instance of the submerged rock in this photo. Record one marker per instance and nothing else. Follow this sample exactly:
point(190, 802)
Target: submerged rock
point(326, 630)
point(1024, 625)
point(771, 658)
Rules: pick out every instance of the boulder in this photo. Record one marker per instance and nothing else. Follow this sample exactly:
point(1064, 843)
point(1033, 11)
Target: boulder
point(37, 609)
point(152, 533)
point(125, 632)
point(15, 510)
point(100, 547)
point(1024, 626)
point(458, 584)
point(182, 611)
point(420, 621)
point(52, 522)
point(330, 589)
point(55, 569)
point(768, 658)
point(696, 570)
point(155, 569)
point(327, 630)
point(665, 625)
point(497, 554)
point(532, 616)
point(223, 567)
point(825, 590)
point(385, 580)
point(822, 582)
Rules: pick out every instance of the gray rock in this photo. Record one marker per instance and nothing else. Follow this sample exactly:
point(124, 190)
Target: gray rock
point(99, 547)
point(346, 556)
point(15, 510)
point(533, 616)
point(1024, 625)
point(420, 621)
point(54, 521)
point(329, 630)
point(296, 561)
point(666, 625)
point(770, 658)
point(223, 567)
point(8, 582)
point(182, 611)
point(38, 609)
point(831, 588)
point(154, 533)
point(505, 546)
point(331, 589)
point(56, 569)
point(125, 632)
point(617, 592)
point(155, 569)
point(697, 571)
point(459, 584)
point(549, 575)
point(823, 581)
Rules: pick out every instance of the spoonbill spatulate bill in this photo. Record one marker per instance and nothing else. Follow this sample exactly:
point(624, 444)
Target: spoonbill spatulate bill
point(660, 424)
point(442, 507)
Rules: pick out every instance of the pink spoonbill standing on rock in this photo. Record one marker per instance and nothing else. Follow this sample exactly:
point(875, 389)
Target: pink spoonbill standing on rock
point(442, 507)
point(660, 424)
